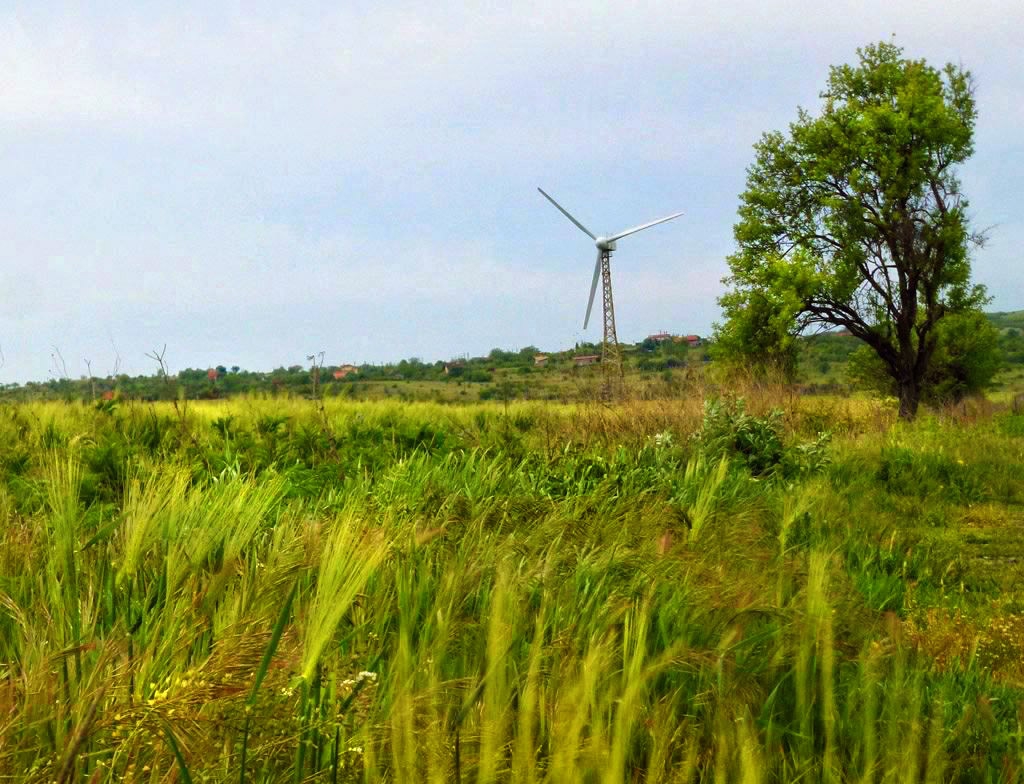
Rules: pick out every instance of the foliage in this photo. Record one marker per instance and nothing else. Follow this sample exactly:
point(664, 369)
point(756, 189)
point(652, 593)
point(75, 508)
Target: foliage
point(820, 367)
point(855, 218)
point(758, 442)
point(967, 357)
point(759, 319)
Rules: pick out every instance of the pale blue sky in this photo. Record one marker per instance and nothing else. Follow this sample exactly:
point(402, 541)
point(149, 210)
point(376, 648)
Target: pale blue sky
point(252, 184)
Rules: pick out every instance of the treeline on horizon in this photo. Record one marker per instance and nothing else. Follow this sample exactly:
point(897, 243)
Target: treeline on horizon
point(315, 379)
point(822, 366)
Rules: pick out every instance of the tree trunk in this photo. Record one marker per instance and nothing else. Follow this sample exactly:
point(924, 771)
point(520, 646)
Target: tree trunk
point(910, 397)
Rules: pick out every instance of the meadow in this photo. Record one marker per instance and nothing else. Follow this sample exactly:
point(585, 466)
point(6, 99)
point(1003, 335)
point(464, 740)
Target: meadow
point(753, 588)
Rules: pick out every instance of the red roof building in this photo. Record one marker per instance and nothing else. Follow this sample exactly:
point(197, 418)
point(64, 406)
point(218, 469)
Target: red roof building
point(345, 370)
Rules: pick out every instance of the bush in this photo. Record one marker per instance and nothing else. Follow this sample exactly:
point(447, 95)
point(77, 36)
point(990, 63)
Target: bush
point(727, 429)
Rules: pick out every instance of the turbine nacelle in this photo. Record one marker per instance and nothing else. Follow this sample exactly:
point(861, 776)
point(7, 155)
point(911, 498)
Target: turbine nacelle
point(603, 244)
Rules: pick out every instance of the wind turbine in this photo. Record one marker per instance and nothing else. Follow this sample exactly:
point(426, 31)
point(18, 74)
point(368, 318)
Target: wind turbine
point(611, 356)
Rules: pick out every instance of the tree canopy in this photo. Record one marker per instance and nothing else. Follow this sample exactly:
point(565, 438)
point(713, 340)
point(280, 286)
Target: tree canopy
point(855, 218)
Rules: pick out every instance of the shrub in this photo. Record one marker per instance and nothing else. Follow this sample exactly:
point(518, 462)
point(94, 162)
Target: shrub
point(728, 430)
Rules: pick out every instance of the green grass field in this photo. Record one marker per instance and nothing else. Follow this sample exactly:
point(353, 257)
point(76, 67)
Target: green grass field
point(787, 590)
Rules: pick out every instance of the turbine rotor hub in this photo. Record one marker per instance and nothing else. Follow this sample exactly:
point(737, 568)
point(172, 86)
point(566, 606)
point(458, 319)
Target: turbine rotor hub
point(603, 243)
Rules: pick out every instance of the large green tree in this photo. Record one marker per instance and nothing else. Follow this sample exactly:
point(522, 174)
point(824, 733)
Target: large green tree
point(855, 219)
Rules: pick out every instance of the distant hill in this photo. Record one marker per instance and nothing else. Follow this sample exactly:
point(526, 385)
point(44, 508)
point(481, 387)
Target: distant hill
point(1011, 342)
point(1013, 319)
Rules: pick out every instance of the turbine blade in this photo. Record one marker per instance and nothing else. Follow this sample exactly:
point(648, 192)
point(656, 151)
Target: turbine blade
point(565, 212)
point(593, 289)
point(635, 229)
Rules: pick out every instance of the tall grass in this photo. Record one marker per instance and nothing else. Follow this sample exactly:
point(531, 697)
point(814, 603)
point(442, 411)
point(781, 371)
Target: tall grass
point(529, 593)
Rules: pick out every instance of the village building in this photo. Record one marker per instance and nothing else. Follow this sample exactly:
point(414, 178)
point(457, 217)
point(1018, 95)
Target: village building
point(660, 337)
point(345, 370)
point(586, 359)
point(693, 340)
point(454, 368)
point(540, 360)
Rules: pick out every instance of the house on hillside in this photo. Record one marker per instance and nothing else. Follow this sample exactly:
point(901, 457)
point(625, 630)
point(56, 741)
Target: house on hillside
point(694, 340)
point(454, 368)
point(660, 337)
point(540, 360)
point(586, 359)
point(345, 370)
